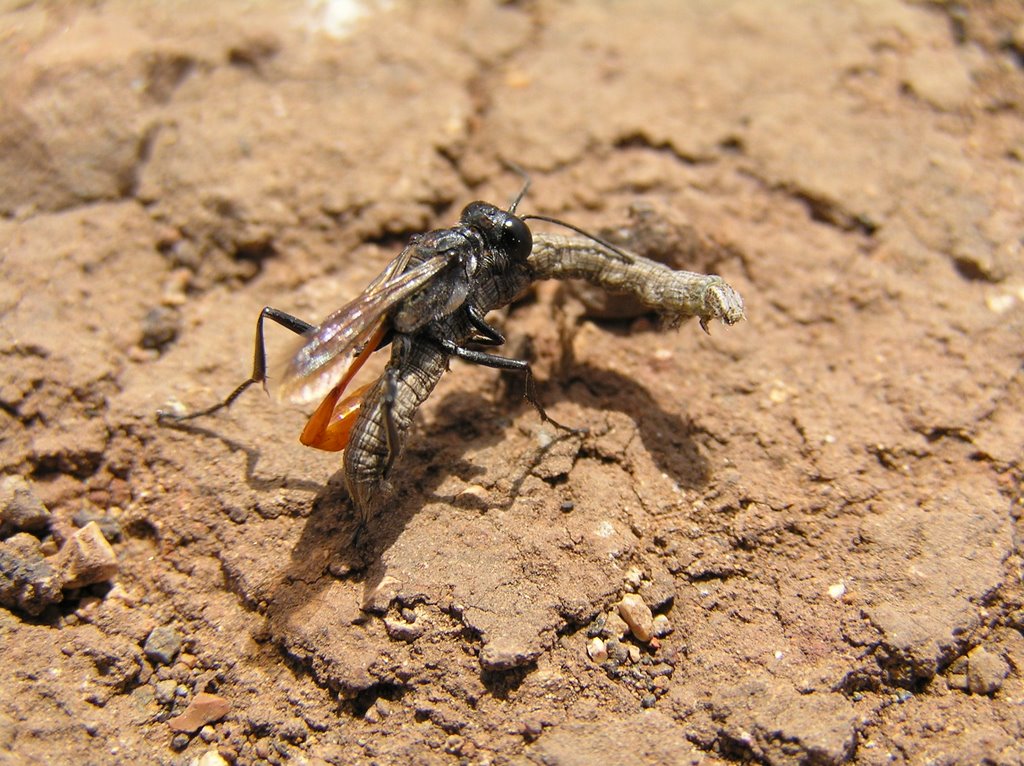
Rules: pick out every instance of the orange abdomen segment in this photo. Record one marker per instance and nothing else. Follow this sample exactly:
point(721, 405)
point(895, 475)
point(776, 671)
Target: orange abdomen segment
point(329, 427)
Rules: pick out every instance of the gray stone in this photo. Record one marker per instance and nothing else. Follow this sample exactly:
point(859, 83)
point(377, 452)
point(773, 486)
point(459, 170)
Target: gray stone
point(163, 645)
point(165, 691)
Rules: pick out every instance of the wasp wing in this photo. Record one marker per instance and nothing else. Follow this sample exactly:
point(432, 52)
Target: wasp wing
point(328, 351)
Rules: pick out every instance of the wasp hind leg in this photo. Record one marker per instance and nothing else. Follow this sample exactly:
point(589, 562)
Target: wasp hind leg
point(259, 364)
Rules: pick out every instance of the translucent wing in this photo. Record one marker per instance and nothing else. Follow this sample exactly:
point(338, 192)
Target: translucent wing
point(327, 352)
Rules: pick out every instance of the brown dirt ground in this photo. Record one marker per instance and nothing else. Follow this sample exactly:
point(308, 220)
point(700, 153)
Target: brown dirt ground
point(824, 500)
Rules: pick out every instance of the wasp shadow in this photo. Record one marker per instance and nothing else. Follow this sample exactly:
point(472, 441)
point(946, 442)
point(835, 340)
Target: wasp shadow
point(464, 422)
point(252, 458)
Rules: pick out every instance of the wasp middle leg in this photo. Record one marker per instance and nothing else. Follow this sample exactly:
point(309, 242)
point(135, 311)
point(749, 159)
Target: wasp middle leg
point(504, 363)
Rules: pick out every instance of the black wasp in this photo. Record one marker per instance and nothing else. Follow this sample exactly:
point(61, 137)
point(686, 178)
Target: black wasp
point(430, 304)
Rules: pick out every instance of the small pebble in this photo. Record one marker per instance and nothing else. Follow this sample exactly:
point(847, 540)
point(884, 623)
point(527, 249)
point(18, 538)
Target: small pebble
point(648, 701)
point(986, 671)
point(188, 660)
point(162, 645)
point(638, 617)
point(567, 506)
point(532, 727)
point(86, 558)
point(293, 730)
point(475, 491)
point(634, 653)
point(634, 578)
point(204, 708)
point(454, 744)
point(180, 742)
point(956, 674)
point(837, 591)
point(661, 626)
point(208, 734)
point(597, 650)
point(211, 758)
point(175, 289)
point(49, 547)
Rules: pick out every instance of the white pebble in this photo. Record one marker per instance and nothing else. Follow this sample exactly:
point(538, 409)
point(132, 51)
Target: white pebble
point(662, 626)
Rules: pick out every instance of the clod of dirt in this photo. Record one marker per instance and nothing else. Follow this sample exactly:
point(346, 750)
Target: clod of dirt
point(86, 558)
point(162, 645)
point(20, 509)
point(205, 708)
point(402, 630)
point(614, 626)
point(380, 598)
point(27, 581)
point(505, 653)
point(638, 617)
point(770, 723)
point(986, 671)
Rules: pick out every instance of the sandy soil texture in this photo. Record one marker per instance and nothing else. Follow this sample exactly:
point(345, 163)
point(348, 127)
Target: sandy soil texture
point(820, 506)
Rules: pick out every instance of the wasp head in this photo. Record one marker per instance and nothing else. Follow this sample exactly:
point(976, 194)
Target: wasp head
point(499, 228)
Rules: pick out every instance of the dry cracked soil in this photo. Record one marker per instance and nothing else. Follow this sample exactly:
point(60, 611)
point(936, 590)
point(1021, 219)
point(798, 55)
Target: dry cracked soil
point(821, 505)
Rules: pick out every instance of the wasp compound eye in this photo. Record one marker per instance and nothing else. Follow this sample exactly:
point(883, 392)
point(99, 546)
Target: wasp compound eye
point(516, 238)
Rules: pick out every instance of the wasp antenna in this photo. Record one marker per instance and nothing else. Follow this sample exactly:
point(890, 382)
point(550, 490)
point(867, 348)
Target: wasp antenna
point(526, 184)
point(626, 257)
